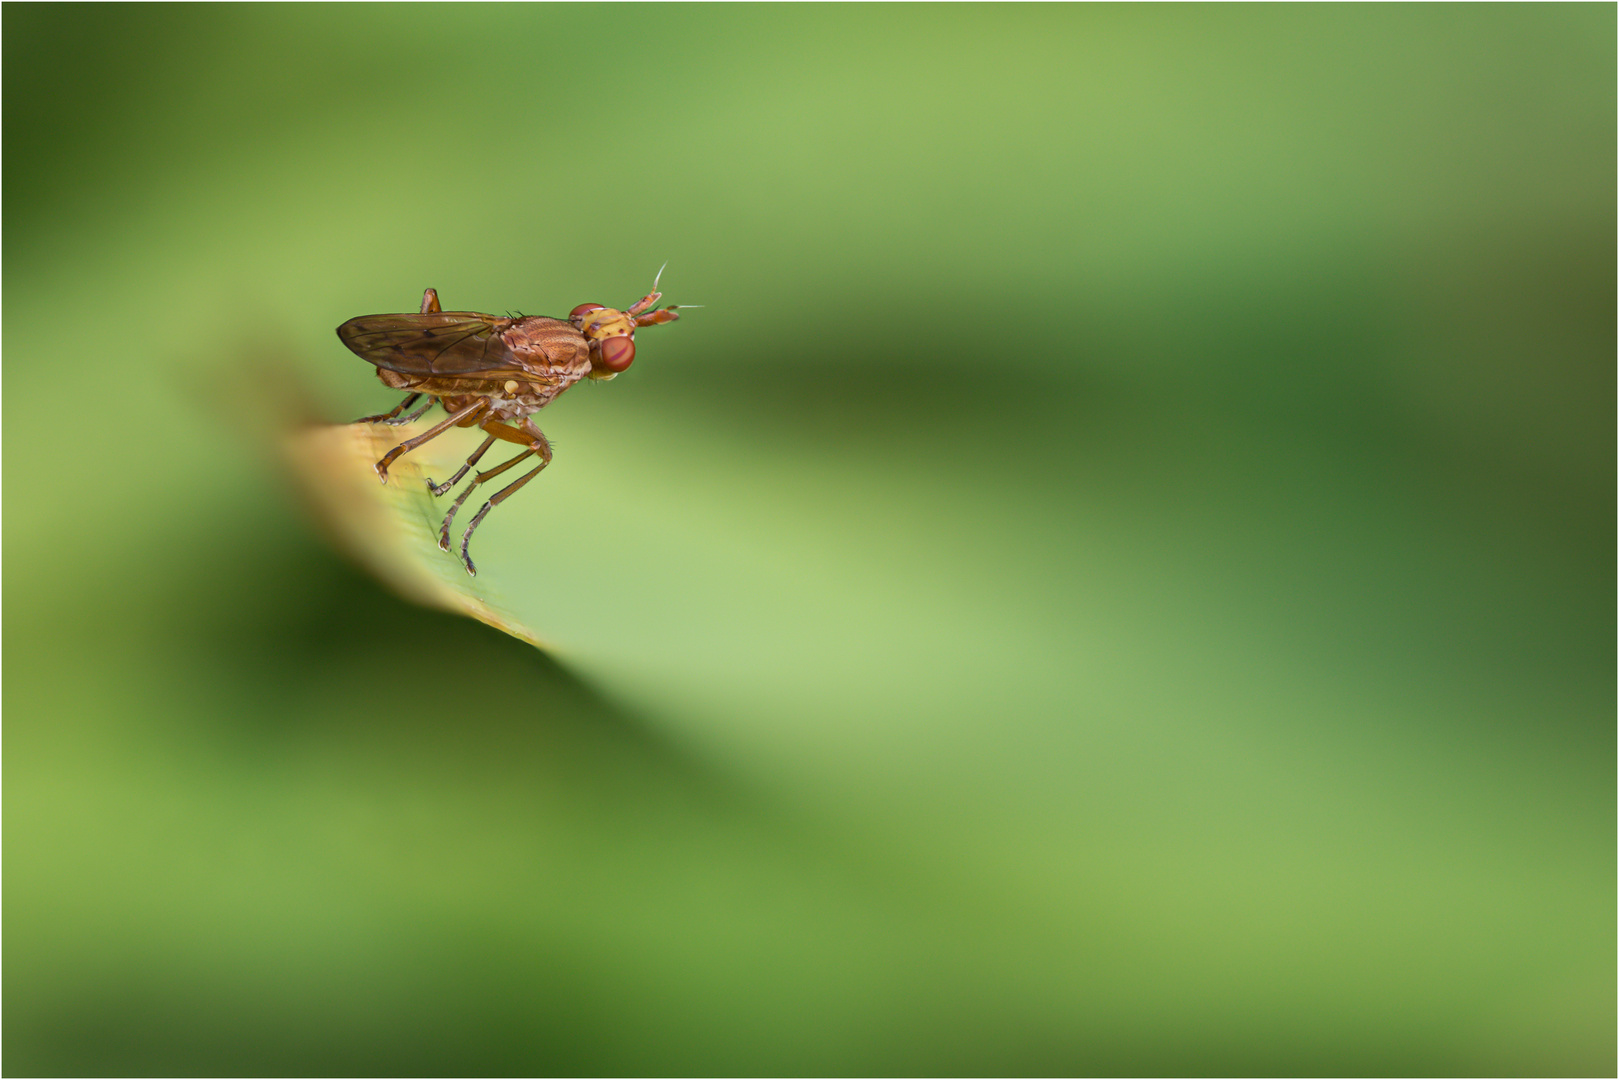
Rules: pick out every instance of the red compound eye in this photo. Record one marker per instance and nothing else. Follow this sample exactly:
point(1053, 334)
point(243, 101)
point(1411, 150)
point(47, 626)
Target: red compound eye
point(617, 353)
point(583, 309)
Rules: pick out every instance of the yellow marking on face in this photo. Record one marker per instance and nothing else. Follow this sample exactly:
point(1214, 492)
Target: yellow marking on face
point(608, 323)
point(511, 386)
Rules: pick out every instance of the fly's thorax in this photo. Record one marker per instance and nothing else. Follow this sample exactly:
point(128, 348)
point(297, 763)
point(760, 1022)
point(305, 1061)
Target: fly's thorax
point(549, 344)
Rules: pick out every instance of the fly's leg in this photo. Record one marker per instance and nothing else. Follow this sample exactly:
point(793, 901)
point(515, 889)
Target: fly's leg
point(388, 417)
point(497, 430)
point(499, 497)
point(431, 433)
point(413, 417)
point(536, 444)
point(444, 528)
point(439, 489)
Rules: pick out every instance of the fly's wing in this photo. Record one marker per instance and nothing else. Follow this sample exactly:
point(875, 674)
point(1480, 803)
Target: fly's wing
point(441, 343)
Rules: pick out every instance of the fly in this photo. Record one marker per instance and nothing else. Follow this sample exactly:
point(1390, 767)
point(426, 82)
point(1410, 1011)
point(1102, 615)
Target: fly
point(492, 373)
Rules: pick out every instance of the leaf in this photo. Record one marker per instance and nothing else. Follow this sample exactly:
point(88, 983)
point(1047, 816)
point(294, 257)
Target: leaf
point(392, 529)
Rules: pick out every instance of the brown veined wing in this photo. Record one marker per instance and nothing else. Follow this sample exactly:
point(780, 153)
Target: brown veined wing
point(442, 343)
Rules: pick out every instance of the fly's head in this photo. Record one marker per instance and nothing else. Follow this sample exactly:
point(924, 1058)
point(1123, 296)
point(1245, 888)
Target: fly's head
point(611, 333)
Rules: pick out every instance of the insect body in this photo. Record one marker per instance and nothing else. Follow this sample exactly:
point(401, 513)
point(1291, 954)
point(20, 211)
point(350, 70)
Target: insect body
point(494, 373)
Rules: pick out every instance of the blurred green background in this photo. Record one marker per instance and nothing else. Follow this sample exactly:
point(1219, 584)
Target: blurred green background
point(1117, 579)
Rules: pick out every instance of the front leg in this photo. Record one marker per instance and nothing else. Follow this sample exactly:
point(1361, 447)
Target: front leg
point(470, 412)
point(527, 435)
point(440, 489)
point(444, 526)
